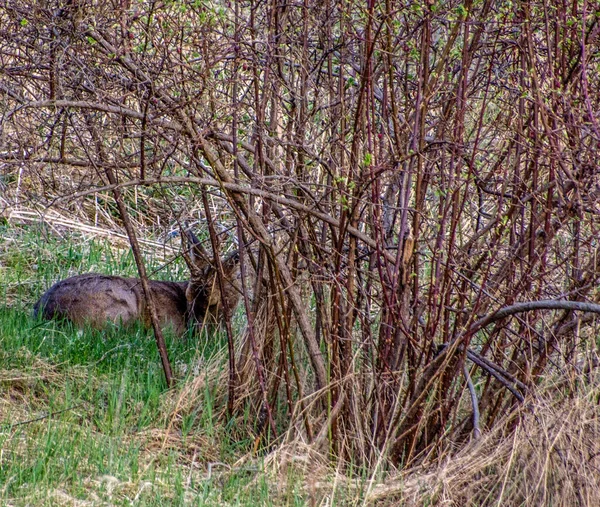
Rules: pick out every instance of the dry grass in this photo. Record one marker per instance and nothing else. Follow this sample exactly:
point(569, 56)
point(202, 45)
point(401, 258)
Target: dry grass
point(59, 223)
point(545, 453)
point(551, 457)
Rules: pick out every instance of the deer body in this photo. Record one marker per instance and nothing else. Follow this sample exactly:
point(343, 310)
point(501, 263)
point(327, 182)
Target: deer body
point(95, 300)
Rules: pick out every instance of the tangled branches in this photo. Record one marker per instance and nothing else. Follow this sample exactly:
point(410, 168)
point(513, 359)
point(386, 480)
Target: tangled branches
point(407, 172)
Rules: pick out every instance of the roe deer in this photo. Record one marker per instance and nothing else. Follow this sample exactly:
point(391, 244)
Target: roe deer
point(95, 299)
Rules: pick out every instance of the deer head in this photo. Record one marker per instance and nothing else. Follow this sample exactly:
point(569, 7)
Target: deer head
point(213, 291)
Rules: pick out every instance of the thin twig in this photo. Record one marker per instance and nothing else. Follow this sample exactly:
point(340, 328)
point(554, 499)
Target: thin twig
point(474, 402)
point(9, 427)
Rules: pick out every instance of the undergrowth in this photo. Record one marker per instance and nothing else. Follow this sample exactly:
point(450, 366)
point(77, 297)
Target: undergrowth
point(551, 456)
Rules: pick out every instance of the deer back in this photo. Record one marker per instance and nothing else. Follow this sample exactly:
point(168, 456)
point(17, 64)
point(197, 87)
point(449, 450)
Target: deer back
point(94, 299)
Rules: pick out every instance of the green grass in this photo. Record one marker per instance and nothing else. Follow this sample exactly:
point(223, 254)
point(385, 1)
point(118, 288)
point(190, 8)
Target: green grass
point(33, 258)
point(85, 415)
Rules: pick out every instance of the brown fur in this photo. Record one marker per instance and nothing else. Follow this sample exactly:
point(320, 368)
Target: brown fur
point(204, 301)
point(94, 299)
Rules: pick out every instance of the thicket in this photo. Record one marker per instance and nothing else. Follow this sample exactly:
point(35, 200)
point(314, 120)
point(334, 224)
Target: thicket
point(414, 188)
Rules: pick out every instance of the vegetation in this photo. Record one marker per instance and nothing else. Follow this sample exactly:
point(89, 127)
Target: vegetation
point(414, 194)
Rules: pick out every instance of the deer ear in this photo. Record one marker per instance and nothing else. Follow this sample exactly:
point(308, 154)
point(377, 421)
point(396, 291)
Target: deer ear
point(195, 256)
